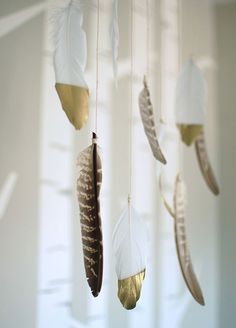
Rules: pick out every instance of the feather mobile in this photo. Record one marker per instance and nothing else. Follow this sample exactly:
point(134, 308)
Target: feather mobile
point(129, 246)
point(181, 242)
point(70, 58)
point(204, 163)
point(114, 33)
point(190, 117)
point(88, 188)
point(147, 116)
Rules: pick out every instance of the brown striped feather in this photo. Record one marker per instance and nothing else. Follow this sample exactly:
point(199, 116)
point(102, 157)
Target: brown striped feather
point(88, 188)
point(181, 243)
point(147, 116)
point(206, 169)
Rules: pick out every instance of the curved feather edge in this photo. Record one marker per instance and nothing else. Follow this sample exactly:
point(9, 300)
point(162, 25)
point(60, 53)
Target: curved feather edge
point(206, 169)
point(181, 243)
point(147, 116)
point(70, 57)
point(88, 188)
point(129, 246)
point(114, 34)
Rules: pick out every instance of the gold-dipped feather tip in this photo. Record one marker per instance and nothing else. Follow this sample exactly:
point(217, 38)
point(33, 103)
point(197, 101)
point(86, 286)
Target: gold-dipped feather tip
point(75, 103)
point(189, 132)
point(129, 290)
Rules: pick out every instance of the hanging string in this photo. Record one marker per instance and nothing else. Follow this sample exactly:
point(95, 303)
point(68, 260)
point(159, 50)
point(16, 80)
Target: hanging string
point(180, 143)
point(97, 65)
point(147, 37)
point(131, 100)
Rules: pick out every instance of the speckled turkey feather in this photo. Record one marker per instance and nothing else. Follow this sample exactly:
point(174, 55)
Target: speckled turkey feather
point(146, 112)
point(204, 163)
point(88, 188)
point(181, 242)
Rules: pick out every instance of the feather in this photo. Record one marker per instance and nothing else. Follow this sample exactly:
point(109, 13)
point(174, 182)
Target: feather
point(129, 246)
point(114, 33)
point(204, 164)
point(181, 243)
point(88, 188)
point(147, 115)
point(190, 102)
point(70, 58)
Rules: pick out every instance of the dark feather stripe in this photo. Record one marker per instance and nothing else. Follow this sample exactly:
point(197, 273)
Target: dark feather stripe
point(146, 112)
point(181, 243)
point(207, 172)
point(88, 187)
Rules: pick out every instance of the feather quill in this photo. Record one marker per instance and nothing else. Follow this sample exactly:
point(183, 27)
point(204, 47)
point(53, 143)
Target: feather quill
point(206, 169)
point(181, 243)
point(190, 102)
point(147, 116)
point(88, 188)
point(70, 57)
point(129, 246)
point(114, 34)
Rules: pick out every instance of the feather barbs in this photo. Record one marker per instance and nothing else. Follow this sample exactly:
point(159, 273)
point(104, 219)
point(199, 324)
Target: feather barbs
point(147, 116)
point(88, 187)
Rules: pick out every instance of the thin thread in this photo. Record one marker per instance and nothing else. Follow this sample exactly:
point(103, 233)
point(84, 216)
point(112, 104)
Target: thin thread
point(147, 37)
point(179, 16)
point(97, 65)
point(131, 100)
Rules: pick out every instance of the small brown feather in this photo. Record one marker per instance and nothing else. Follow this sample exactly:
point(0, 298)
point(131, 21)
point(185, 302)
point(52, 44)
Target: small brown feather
point(207, 172)
point(146, 112)
point(88, 188)
point(181, 243)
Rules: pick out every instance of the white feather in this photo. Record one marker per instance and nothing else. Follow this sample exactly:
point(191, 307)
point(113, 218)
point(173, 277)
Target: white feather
point(114, 33)
point(129, 244)
point(70, 56)
point(190, 99)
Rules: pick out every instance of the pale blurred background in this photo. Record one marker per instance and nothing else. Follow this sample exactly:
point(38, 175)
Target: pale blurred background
point(42, 280)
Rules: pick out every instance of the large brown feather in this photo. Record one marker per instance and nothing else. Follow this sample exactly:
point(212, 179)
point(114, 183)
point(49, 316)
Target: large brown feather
point(146, 112)
point(207, 172)
point(181, 243)
point(88, 188)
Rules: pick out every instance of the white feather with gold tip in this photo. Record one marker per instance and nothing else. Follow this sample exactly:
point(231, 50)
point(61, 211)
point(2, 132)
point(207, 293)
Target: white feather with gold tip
point(190, 102)
point(130, 248)
point(70, 57)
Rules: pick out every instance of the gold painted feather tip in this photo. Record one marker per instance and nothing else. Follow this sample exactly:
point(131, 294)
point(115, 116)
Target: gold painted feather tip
point(181, 243)
point(129, 290)
point(203, 161)
point(88, 188)
point(189, 132)
point(75, 103)
point(147, 116)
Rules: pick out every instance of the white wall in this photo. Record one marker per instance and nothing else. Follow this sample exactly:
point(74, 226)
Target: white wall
point(20, 77)
point(226, 27)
